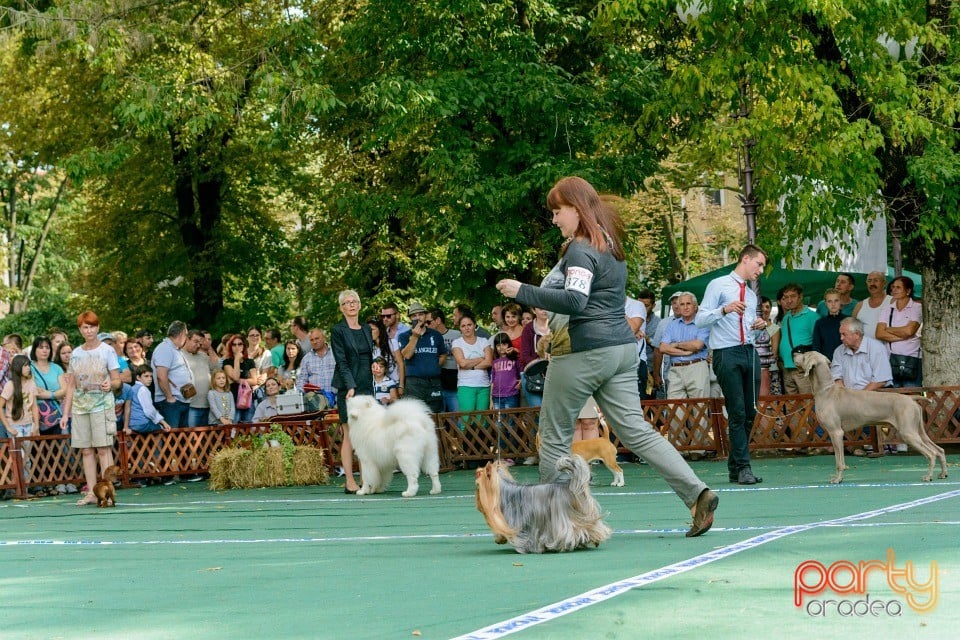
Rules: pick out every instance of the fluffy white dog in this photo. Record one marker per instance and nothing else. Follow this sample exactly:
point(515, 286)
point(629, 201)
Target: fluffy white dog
point(400, 435)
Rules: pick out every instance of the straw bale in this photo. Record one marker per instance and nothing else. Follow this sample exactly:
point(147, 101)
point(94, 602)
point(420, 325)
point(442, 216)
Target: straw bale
point(234, 468)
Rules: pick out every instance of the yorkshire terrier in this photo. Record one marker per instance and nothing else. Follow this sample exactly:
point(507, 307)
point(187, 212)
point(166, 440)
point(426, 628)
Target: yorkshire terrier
point(104, 490)
point(555, 516)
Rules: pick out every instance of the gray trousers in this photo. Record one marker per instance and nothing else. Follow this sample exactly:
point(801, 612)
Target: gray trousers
point(610, 374)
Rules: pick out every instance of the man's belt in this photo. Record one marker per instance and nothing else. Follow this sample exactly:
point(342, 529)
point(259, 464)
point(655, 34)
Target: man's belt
point(683, 364)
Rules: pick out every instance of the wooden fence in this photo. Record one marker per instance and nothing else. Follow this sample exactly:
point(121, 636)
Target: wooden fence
point(693, 425)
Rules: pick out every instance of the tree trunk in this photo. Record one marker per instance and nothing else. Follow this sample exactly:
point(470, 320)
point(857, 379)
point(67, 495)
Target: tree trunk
point(206, 203)
point(941, 320)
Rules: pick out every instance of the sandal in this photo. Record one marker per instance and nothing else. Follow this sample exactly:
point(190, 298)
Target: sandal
point(87, 499)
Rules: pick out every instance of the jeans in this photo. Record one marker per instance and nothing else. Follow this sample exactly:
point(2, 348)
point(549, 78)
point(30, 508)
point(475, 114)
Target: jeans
point(508, 402)
point(146, 428)
point(244, 415)
point(175, 413)
point(451, 401)
point(198, 417)
point(530, 399)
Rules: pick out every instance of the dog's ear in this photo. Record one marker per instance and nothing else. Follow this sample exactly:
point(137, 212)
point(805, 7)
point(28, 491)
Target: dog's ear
point(804, 363)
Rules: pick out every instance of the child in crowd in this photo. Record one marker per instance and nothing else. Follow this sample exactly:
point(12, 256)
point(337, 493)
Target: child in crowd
point(384, 388)
point(18, 406)
point(143, 416)
point(121, 403)
point(505, 374)
point(221, 402)
point(826, 332)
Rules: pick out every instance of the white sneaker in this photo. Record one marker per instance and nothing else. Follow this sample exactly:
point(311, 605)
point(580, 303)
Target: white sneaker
point(532, 460)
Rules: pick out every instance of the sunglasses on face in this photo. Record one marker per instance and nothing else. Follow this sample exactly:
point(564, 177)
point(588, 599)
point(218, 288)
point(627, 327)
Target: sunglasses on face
point(237, 344)
point(387, 315)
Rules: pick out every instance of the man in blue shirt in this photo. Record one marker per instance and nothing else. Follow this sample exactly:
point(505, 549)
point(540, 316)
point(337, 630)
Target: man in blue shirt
point(687, 345)
point(729, 309)
point(424, 353)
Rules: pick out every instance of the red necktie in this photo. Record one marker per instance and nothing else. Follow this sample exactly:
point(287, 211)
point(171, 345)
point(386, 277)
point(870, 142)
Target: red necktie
point(743, 295)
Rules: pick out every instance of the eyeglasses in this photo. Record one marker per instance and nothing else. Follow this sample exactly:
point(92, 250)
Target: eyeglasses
point(387, 315)
point(253, 335)
point(236, 344)
point(346, 302)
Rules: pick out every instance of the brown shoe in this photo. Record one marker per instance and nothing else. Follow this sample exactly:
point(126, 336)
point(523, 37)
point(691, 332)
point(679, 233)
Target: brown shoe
point(703, 513)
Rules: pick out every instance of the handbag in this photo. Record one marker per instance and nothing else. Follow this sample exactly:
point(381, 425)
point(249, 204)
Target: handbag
point(535, 377)
point(49, 409)
point(244, 395)
point(904, 368)
point(188, 391)
point(50, 415)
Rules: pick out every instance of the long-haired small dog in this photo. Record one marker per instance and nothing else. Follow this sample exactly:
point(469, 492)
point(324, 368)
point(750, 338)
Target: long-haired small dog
point(400, 435)
point(533, 518)
point(104, 490)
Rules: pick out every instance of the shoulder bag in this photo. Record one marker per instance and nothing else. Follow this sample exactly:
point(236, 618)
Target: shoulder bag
point(905, 368)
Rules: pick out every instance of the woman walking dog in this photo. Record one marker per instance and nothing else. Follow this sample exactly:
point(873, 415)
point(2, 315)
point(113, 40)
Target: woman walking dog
point(588, 284)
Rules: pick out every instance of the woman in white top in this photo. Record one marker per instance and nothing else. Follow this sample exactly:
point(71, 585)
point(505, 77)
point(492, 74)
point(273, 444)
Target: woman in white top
point(474, 357)
point(899, 327)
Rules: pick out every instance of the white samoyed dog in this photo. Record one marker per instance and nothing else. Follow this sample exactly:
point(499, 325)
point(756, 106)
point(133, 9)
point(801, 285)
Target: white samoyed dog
point(399, 435)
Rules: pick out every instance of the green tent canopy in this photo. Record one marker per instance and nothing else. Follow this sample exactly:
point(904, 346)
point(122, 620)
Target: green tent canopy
point(814, 283)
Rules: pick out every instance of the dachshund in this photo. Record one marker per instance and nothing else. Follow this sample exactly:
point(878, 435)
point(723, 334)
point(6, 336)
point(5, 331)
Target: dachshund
point(104, 490)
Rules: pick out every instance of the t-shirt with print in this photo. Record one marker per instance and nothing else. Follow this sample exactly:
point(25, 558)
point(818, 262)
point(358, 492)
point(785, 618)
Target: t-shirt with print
point(381, 390)
point(28, 390)
point(90, 368)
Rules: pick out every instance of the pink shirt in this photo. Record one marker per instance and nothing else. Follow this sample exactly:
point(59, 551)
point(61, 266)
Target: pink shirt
point(912, 312)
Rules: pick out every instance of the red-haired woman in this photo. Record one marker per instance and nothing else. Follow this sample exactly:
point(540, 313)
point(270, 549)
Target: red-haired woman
point(588, 284)
point(239, 366)
point(94, 374)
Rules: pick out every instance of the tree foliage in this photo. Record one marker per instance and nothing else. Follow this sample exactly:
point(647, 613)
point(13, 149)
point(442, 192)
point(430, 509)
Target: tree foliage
point(457, 119)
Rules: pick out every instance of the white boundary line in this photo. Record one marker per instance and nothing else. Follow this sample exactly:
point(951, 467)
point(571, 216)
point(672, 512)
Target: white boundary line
point(600, 594)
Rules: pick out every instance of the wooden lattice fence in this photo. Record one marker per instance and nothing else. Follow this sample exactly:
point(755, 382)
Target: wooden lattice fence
point(693, 425)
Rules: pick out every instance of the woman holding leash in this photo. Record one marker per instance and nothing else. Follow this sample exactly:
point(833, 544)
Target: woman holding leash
point(352, 344)
point(588, 284)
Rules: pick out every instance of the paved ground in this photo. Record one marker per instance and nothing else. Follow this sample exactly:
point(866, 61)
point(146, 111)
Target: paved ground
point(185, 562)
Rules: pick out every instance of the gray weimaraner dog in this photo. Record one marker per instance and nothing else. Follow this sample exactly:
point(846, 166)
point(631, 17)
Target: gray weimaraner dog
point(840, 409)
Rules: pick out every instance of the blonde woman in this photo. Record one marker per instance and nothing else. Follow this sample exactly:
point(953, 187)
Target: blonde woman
point(352, 344)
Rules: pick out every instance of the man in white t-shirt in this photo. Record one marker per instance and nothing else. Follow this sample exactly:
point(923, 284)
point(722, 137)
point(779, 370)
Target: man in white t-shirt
point(636, 314)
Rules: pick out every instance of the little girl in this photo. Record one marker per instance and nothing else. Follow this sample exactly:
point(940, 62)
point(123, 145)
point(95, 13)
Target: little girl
point(221, 402)
point(504, 375)
point(18, 406)
point(384, 388)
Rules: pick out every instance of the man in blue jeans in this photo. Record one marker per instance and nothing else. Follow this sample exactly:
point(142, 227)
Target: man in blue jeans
point(171, 373)
point(729, 308)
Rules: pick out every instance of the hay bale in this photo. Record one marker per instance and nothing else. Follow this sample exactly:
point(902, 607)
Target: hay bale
point(244, 469)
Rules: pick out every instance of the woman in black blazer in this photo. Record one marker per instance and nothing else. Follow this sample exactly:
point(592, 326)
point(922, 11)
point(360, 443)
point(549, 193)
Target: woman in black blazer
point(352, 344)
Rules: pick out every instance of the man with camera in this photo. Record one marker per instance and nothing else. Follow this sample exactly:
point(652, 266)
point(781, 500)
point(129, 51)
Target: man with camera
point(424, 353)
